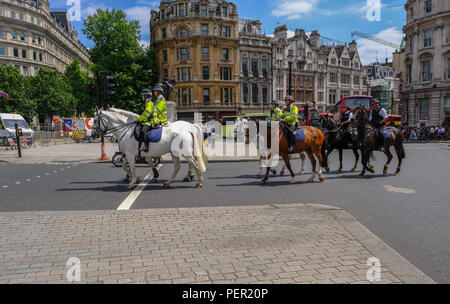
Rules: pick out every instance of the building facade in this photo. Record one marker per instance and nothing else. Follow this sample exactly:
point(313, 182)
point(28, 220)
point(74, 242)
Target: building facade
point(255, 51)
point(198, 45)
point(32, 36)
point(321, 74)
point(426, 79)
point(385, 85)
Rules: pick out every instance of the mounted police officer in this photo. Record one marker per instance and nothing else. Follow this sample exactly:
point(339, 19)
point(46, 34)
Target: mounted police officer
point(275, 114)
point(378, 118)
point(155, 114)
point(346, 120)
point(290, 117)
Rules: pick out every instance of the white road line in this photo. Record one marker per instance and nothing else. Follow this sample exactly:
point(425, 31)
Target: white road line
point(5, 186)
point(128, 202)
point(28, 180)
point(38, 176)
point(393, 189)
point(47, 173)
point(17, 183)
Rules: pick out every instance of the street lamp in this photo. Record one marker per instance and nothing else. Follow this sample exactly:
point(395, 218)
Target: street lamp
point(290, 57)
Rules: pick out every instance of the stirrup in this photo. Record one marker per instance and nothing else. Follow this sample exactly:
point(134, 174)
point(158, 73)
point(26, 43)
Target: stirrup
point(145, 149)
point(291, 149)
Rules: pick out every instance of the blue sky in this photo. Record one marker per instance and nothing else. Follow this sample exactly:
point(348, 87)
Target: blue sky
point(332, 18)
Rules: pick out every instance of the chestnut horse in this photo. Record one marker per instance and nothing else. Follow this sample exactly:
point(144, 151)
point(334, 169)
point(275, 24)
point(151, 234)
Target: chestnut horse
point(369, 142)
point(312, 145)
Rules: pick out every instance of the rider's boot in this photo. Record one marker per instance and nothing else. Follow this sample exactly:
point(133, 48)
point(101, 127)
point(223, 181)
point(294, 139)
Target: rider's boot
point(146, 146)
point(291, 148)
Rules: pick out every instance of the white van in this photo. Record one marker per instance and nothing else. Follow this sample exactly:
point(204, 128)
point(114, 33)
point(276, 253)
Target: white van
point(7, 127)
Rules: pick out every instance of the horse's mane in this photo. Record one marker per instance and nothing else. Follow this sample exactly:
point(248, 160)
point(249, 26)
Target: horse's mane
point(124, 113)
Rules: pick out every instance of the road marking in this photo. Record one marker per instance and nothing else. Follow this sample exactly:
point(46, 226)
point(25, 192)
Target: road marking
point(17, 183)
point(128, 202)
point(38, 176)
point(393, 189)
point(5, 186)
point(47, 173)
point(28, 180)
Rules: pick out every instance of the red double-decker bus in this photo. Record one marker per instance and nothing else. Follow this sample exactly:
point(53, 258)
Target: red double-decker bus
point(352, 102)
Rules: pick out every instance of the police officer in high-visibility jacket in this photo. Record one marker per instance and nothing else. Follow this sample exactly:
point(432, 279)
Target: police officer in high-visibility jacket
point(275, 114)
point(160, 105)
point(291, 119)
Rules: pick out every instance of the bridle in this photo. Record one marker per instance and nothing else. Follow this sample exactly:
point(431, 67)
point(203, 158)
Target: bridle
point(101, 122)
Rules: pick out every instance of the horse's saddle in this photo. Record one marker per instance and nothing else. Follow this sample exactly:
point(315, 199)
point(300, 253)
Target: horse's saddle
point(299, 134)
point(154, 135)
point(387, 134)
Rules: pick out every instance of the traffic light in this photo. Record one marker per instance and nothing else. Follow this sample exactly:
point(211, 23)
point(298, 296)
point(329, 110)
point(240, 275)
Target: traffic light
point(93, 90)
point(109, 85)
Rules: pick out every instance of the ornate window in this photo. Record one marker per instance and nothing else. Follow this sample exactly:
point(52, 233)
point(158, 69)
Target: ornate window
point(182, 33)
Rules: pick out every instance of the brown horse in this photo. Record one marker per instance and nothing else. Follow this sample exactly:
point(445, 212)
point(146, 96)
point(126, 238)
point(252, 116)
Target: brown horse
point(369, 143)
point(312, 145)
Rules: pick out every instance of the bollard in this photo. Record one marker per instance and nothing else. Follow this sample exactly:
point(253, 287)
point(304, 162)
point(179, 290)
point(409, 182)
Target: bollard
point(19, 150)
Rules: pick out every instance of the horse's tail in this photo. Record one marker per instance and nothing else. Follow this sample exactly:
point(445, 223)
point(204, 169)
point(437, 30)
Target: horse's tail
point(399, 141)
point(199, 152)
point(324, 152)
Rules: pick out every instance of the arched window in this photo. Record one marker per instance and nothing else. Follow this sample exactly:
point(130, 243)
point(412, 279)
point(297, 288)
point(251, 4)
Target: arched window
point(183, 33)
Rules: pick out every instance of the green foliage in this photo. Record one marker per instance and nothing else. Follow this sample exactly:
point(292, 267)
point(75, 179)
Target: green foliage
point(118, 53)
point(52, 94)
point(79, 81)
point(17, 86)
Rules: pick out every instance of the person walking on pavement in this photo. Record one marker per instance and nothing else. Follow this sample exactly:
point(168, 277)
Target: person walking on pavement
point(275, 114)
point(378, 117)
point(290, 117)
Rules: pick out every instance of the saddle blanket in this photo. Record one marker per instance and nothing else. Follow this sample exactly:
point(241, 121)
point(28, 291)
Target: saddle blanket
point(299, 134)
point(387, 134)
point(154, 135)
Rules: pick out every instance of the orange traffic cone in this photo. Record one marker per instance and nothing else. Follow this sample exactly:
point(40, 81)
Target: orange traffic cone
point(104, 156)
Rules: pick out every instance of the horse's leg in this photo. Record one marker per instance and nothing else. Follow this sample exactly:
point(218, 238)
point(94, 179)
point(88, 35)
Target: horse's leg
point(176, 169)
point(190, 175)
point(390, 156)
point(313, 164)
point(327, 152)
point(155, 171)
point(134, 178)
point(356, 153)
point(283, 169)
point(302, 157)
point(339, 171)
point(126, 169)
point(318, 154)
point(364, 160)
point(193, 164)
point(287, 161)
point(269, 164)
point(399, 149)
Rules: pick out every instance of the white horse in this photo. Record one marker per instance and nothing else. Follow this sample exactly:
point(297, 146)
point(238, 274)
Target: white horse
point(241, 125)
point(179, 139)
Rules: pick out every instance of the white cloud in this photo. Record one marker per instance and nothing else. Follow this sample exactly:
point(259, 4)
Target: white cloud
point(91, 8)
point(144, 43)
point(142, 14)
point(370, 50)
point(294, 9)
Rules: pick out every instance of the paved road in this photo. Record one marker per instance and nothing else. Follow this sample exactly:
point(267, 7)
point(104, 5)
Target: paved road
point(410, 212)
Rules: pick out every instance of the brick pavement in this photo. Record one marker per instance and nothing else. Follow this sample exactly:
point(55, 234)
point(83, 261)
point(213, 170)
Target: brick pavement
point(299, 243)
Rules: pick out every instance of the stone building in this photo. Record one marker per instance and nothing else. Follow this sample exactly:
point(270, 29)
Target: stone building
point(426, 87)
point(198, 45)
point(256, 67)
point(32, 36)
point(385, 85)
point(321, 74)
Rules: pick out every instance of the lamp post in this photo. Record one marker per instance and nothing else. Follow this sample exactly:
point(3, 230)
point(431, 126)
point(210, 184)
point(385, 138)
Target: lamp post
point(290, 57)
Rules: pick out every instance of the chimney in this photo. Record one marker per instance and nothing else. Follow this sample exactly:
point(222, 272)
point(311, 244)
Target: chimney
point(352, 46)
point(315, 39)
point(281, 32)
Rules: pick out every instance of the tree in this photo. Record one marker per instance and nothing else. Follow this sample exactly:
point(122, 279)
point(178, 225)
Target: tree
point(79, 82)
point(16, 86)
point(117, 53)
point(52, 94)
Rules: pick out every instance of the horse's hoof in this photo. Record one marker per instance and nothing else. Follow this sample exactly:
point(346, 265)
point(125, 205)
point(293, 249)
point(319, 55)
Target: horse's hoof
point(138, 180)
point(131, 187)
point(321, 179)
point(166, 185)
point(385, 172)
point(126, 179)
point(361, 176)
point(292, 182)
point(311, 180)
point(354, 169)
point(273, 171)
point(282, 173)
point(370, 166)
point(198, 185)
point(154, 180)
point(327, 169)
point(371, 170)
point(301, 173)
point(186, 179)
point(263, 182)
point(191, 177)
point(258, 176)
point(339, 171)
point(397, 174)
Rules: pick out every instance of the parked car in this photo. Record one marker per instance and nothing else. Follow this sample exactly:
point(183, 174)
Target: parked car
point(8, 122)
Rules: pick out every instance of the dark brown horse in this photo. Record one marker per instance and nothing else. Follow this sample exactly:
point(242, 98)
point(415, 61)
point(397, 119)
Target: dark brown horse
point(369, 142)
point(312, 145)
